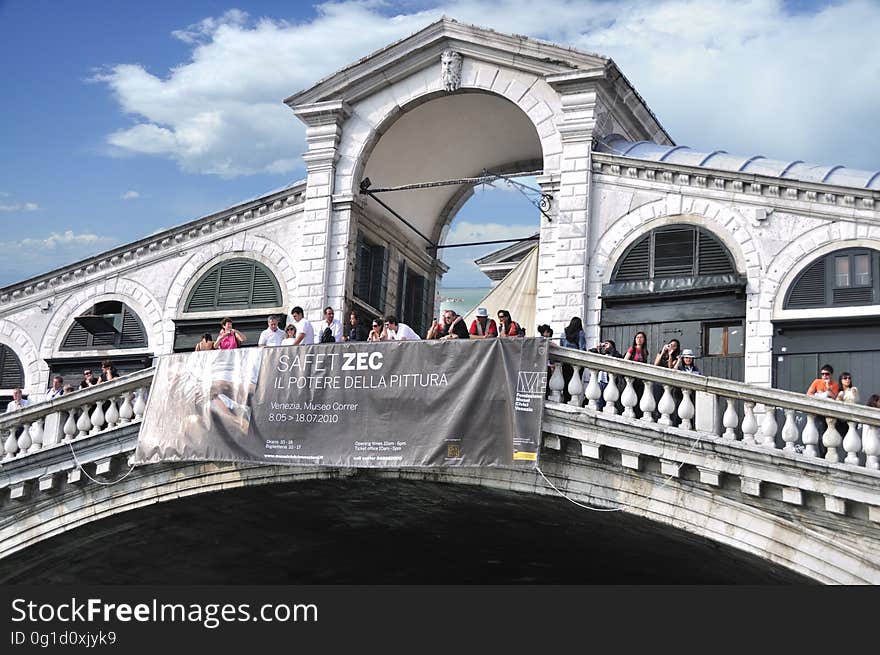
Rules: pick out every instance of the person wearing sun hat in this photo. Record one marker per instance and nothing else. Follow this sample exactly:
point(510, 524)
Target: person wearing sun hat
point(482, 326)
point(686, 362)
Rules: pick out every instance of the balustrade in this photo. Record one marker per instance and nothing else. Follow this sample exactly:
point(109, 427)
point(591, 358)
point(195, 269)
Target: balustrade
point(770, 418)
point(75, 416)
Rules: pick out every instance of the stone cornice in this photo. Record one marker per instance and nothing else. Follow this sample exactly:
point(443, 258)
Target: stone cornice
point(816, 198)
point(411, 53)
point(151, 248)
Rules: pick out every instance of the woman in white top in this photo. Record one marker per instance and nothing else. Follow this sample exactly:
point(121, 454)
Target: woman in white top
point(289, 335)
point(848, 393)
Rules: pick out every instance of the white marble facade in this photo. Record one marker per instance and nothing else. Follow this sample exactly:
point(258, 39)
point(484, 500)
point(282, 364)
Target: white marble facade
point(602, 202)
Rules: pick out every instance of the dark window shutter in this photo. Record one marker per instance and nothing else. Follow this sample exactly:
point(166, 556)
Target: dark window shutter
point(77, 338)
point(11, 371)
point(853, 296)
point(713, 257)
point(133, 334)
point(636, 265)
point(674, 252)
point(809, 289)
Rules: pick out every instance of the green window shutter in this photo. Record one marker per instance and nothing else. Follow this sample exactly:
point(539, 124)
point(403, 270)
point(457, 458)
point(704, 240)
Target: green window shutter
point(204, 296)
point(234, 284)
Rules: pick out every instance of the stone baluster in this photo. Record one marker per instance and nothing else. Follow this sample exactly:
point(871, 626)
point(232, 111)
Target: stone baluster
point(768, 427)
point(629, 398)
point(83, 424)
point(140, 404)
point(686, 410)
point(70, 426)
point(126, 412)
point(647, 404)
point(789, 431)
point(666, 406)
point(810, 437)
point(832, 440)
point(575, 389)
point(871, 446)
point(730, 420)
point(10, 445)
point(36, 431)
point(24, 439)
point(112, 413)
point(593, 391)
point(557, 384)
point(50, 427)
point(749, 424)
point(611, 395)
point(97, 418)
point(852, 444)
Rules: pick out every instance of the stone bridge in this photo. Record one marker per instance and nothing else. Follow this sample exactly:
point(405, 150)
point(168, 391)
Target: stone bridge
point(760, 475)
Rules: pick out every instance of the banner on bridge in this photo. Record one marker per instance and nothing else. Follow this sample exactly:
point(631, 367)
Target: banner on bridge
point(386, 404)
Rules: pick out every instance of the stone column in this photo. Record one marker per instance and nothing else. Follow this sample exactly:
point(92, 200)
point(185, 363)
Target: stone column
point(563, 257)
point(320, 270)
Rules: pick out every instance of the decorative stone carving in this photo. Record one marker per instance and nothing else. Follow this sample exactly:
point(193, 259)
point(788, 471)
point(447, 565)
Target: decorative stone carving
point(450, 70)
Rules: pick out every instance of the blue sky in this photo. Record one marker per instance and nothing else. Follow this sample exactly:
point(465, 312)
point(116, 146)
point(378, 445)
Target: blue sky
point(122, 118)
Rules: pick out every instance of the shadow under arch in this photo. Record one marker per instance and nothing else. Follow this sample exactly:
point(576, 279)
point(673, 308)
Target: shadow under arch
point(432, 533)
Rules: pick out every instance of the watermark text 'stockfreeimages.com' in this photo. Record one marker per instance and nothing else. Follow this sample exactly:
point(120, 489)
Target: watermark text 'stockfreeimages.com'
point(92, 610)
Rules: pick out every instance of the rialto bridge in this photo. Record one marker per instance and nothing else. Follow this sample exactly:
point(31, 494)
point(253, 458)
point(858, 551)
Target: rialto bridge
point(721, 470)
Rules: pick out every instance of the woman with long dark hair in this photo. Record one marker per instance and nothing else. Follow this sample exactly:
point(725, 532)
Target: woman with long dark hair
point(638, 351)
point(574, 336)
point(669, 355)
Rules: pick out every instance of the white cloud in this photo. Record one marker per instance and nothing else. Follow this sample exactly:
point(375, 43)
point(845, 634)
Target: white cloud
point(20, 207)
point(745, 76)
point(130, 195)
point(22, 259)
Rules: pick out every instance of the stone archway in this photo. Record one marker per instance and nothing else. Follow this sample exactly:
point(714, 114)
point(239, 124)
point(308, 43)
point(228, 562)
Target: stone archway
point(126, 291)
point(720, 221)
point(17, 340)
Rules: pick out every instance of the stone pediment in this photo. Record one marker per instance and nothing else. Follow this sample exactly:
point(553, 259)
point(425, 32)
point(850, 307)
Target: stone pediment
point(422, 49)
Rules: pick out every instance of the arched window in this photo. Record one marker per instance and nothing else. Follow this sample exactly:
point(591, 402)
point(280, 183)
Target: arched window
point(674, 251)
point(106, 325)
point(234, 284)
point(848, 277)
point(11, 371)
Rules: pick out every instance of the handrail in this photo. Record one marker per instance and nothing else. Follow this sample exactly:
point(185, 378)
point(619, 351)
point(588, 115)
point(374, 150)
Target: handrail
point(77, 399)
point(717, 386)
point(75, 415)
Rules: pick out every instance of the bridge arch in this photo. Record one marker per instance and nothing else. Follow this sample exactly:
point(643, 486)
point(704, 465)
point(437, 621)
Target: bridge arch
point(701, 515)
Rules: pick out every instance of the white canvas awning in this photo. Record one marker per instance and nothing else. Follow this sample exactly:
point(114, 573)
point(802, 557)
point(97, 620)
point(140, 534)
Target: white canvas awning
point(515, 293)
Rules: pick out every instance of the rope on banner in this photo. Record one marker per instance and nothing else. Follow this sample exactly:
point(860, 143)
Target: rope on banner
point(621, 507)
point(101, 482)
